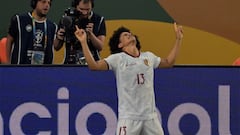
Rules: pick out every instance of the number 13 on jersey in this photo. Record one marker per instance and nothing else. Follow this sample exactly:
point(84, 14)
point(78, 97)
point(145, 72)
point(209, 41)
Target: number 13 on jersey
point(140, 78)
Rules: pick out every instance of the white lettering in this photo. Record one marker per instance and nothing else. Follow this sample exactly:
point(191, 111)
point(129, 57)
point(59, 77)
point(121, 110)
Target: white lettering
point(63, 116)
point(224, 110)
point(63, 112)
point(189, 108)
point(91, 108)
point(21, 111)
point(1, 124)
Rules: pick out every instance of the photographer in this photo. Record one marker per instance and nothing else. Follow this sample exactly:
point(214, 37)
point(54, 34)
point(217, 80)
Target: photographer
point(84, 17)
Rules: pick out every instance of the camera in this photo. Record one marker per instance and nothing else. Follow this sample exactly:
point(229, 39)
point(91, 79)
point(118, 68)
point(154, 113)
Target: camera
point(72, 12)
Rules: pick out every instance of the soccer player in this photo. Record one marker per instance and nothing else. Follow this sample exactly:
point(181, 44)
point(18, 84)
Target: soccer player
point(134, 71)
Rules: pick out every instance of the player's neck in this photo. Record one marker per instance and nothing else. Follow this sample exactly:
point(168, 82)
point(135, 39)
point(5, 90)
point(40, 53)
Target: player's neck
point(132, 50)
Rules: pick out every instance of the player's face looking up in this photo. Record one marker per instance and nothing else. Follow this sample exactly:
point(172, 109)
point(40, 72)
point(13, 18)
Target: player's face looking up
point(127, 38)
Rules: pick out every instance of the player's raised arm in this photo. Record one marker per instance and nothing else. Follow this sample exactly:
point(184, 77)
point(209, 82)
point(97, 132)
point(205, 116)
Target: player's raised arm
point(92, 64)
point(170, 60)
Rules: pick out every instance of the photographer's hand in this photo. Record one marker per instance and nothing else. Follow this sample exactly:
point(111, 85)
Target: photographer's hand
point(97, 41)
point(89, 29)
point(60, 34)
point(58, 42)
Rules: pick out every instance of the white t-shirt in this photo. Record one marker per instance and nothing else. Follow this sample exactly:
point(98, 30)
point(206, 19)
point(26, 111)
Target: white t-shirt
point(135, 77)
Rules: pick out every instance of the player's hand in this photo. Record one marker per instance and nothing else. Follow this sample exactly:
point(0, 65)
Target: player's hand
point(178, 31)
point(80, 34)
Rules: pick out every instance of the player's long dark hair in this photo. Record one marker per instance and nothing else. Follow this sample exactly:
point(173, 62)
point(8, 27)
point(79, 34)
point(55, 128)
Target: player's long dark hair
point(114, 40)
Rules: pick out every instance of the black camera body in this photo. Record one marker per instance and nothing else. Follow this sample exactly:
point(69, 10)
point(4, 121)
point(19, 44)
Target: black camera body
point(72, 12)
point(77, 17)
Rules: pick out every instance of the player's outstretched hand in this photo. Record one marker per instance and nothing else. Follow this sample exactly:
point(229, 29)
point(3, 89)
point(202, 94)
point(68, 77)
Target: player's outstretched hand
point(80, 34)
point(178, 31)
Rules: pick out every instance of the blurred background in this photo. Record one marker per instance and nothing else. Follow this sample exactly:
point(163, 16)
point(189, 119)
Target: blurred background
point(210, 27)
